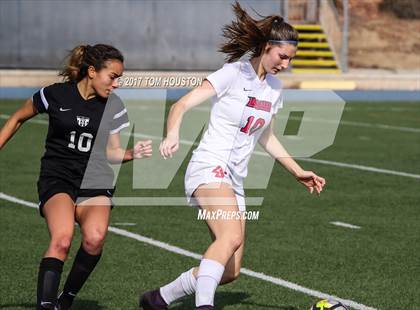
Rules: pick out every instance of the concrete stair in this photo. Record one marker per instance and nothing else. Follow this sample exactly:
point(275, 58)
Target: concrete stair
point(314, 54)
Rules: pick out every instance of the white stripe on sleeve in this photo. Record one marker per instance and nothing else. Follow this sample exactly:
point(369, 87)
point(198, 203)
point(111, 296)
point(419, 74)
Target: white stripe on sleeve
point(44, 100)
point(116, 130)
point(119, 114)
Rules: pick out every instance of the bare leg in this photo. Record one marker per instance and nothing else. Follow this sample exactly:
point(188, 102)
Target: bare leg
point(93, 216)
point(59, 215)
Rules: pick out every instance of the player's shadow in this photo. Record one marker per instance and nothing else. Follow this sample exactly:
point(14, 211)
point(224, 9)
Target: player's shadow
point(86, 304)
point(223, 299)
point(79, 304)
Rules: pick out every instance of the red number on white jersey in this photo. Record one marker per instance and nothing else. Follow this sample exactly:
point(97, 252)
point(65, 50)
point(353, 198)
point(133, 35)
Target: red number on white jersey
point(247, 129)
point(218, 172)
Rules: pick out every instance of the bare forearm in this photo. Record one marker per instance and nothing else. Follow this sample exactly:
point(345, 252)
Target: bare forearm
point(119, 155)
point(15, 121)
point(290, 165)
point(278, 152)
point(174, 120)
point(189, 101)
point(8, 130)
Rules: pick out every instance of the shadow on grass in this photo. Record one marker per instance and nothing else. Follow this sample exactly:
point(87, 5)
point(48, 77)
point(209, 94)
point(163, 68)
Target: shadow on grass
point(224, 299)
point(86, 304)
point(79, 304)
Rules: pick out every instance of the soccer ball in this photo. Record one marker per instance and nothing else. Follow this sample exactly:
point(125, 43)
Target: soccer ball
point(328, 304)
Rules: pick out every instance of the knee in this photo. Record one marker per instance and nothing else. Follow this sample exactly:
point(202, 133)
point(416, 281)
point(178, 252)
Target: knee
point(61, 245)
point(93, 241)
point(233, 241)
point(236, 241)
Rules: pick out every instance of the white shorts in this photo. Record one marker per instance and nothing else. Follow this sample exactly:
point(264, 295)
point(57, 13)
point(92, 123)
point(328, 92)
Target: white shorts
point(199, 173)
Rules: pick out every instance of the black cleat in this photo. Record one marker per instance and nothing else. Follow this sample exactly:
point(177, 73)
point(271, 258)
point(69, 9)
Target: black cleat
point(152, 300)
point(46, 305)
point(207, 307)
point(64, 302)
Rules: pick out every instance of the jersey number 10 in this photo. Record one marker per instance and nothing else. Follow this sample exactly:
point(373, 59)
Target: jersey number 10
point(84, 144)
point(252, 126)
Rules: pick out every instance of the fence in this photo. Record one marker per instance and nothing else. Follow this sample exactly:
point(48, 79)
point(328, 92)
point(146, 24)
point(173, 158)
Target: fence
point(153, 35)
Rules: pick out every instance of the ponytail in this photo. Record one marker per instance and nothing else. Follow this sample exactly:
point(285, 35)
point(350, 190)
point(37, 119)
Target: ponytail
point(248, 35)
point(71, 70)
point(82, 57)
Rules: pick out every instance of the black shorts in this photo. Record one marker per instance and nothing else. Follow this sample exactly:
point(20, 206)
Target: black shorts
point(48, 187)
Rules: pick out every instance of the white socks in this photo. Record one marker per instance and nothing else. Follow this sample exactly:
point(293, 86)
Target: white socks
point(208, 278)
point(184, 285)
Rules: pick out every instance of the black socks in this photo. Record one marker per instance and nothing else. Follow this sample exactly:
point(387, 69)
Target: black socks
point(83, 265)
point(48, 281)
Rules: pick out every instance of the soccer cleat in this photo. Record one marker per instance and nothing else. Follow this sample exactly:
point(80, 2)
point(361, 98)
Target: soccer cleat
point(64, 302)
point(47, 305)
point(208, 307)
point(153, 300)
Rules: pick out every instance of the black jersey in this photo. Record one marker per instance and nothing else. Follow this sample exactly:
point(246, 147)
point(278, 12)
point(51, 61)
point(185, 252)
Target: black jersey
point(77, 125)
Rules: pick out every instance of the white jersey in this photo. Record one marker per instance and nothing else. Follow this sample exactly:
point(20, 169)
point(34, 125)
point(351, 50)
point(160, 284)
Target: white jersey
point(242, 108)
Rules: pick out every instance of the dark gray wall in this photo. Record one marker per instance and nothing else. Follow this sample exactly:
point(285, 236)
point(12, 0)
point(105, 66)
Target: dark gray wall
point(153, 35)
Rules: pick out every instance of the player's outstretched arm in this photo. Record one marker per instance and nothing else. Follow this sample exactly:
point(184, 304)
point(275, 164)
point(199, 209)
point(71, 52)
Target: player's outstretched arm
point(195, 97)
point(116, 155)
point(16, 120)
point(276, 150)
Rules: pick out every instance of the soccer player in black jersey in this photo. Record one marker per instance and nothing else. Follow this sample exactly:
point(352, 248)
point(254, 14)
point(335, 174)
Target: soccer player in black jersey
point(85, 119)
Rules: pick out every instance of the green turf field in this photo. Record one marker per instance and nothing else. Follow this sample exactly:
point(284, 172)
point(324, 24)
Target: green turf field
point(376, 266)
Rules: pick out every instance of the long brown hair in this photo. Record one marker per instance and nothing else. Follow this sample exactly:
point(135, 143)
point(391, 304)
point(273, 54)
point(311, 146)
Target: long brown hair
point(81, 57)
point(248, 35)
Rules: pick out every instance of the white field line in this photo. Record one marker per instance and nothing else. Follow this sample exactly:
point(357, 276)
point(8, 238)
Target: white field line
point(180, 251)
point(346, 123)
point(341, 224)
point(125, 224)
point(361, 124)
point(318, 161)
point(380, 126)
point(308, 119)
point(360, 167)
point(33, 120)
point(353, 166)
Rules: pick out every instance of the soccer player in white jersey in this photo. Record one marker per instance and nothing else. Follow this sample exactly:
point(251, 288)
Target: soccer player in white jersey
point(246, 96)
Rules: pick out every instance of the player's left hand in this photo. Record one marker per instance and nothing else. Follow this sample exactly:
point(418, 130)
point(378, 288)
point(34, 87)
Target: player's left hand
point(142, 149)
point(311, 181)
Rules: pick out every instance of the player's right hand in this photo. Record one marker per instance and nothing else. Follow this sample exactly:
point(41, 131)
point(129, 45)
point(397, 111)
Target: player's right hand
point(169, 146)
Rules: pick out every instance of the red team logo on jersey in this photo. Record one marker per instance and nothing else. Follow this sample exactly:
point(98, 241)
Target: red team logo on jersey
point(259, 104)
point(218, 172)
